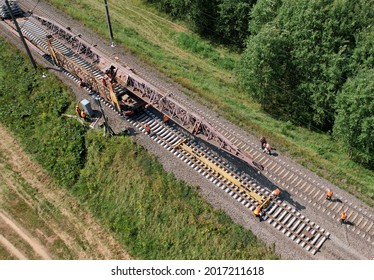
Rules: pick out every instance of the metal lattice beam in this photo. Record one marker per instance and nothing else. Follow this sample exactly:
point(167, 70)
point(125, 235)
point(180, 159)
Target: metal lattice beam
point(161, 101)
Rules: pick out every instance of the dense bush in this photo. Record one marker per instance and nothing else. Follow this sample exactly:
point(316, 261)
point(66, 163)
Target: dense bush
point(222, 21)
point(354, 125)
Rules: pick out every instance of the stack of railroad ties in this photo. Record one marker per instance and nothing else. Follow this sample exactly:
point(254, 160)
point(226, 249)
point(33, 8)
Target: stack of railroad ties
point(262, 202)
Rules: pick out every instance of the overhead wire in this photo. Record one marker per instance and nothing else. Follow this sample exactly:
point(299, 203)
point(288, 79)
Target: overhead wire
point(31, 12)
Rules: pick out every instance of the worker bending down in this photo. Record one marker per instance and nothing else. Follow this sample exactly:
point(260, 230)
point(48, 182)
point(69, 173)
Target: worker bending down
point(275, 193)
point(80, 112)
point(258, 212)
point(329, 195)
point(166, 119)
point(343, 217)
point(263, 142)
point(267, 148)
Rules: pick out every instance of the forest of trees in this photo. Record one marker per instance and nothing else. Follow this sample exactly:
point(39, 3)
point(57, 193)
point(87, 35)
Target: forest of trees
point(306, 61)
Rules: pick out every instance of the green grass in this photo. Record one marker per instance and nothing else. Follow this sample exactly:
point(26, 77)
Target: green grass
point(152, 214)
point(34, 220)
point(33, 215)
point(5, 255)
point(207, 70)
point(32, 107)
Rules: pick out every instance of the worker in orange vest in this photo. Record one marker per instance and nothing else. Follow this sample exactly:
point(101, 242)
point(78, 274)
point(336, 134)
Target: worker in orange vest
point(83, 114)
point(263, 142)
point(80, 112)
point(104, 82)
point(329, 195)
point(267, 148)
point(147, 128)
point(257, 212)
point(166, 119)
point(343, 217)
point(275, 193)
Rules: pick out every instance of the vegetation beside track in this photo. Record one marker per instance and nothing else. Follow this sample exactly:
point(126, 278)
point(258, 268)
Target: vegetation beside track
point(153, 215)
point(208, 71)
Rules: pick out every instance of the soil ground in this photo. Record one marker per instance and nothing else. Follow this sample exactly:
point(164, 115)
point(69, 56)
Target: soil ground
point(39, 220)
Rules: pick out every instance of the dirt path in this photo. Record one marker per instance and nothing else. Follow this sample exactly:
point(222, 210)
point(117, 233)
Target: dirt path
point(25, 235)
point(11, 248)
point(66, 222)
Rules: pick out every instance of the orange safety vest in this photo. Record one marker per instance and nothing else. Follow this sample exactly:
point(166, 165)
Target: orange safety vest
point(329, 193)
point(166, 118)
point(257, 210)
point(104, 82)
point(276, 192)
point(147, 128)
point(343, 216)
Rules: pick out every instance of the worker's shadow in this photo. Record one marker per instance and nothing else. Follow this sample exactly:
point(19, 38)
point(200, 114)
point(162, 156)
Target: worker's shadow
point(337, 200)
point(131, 132)
point(349, 223)
point(273, 153)
point(285, 195)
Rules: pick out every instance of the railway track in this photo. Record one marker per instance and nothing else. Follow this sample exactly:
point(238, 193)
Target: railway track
point(282, 216)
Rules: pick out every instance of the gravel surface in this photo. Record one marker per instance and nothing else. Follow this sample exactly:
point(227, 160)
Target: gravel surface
point(342, 244)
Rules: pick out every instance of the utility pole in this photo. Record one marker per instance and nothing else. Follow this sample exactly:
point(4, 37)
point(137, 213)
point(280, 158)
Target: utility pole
point(106, 124)
point(109, 24)
point(20, 35)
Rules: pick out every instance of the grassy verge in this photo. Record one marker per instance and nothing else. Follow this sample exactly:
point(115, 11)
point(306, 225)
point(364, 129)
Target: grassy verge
point(5, 255)
point(32, 107)
point(35, 215)
point(151, 213)
point(32, 221)
point(208, 71)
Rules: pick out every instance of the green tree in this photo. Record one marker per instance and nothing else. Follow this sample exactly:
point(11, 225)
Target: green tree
point(267, 72)
point(175, 8)
point(354, 125)
point(320, 36)
point(203, 16)
point(233, 20)
point(262, 13)
point(363, 55)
